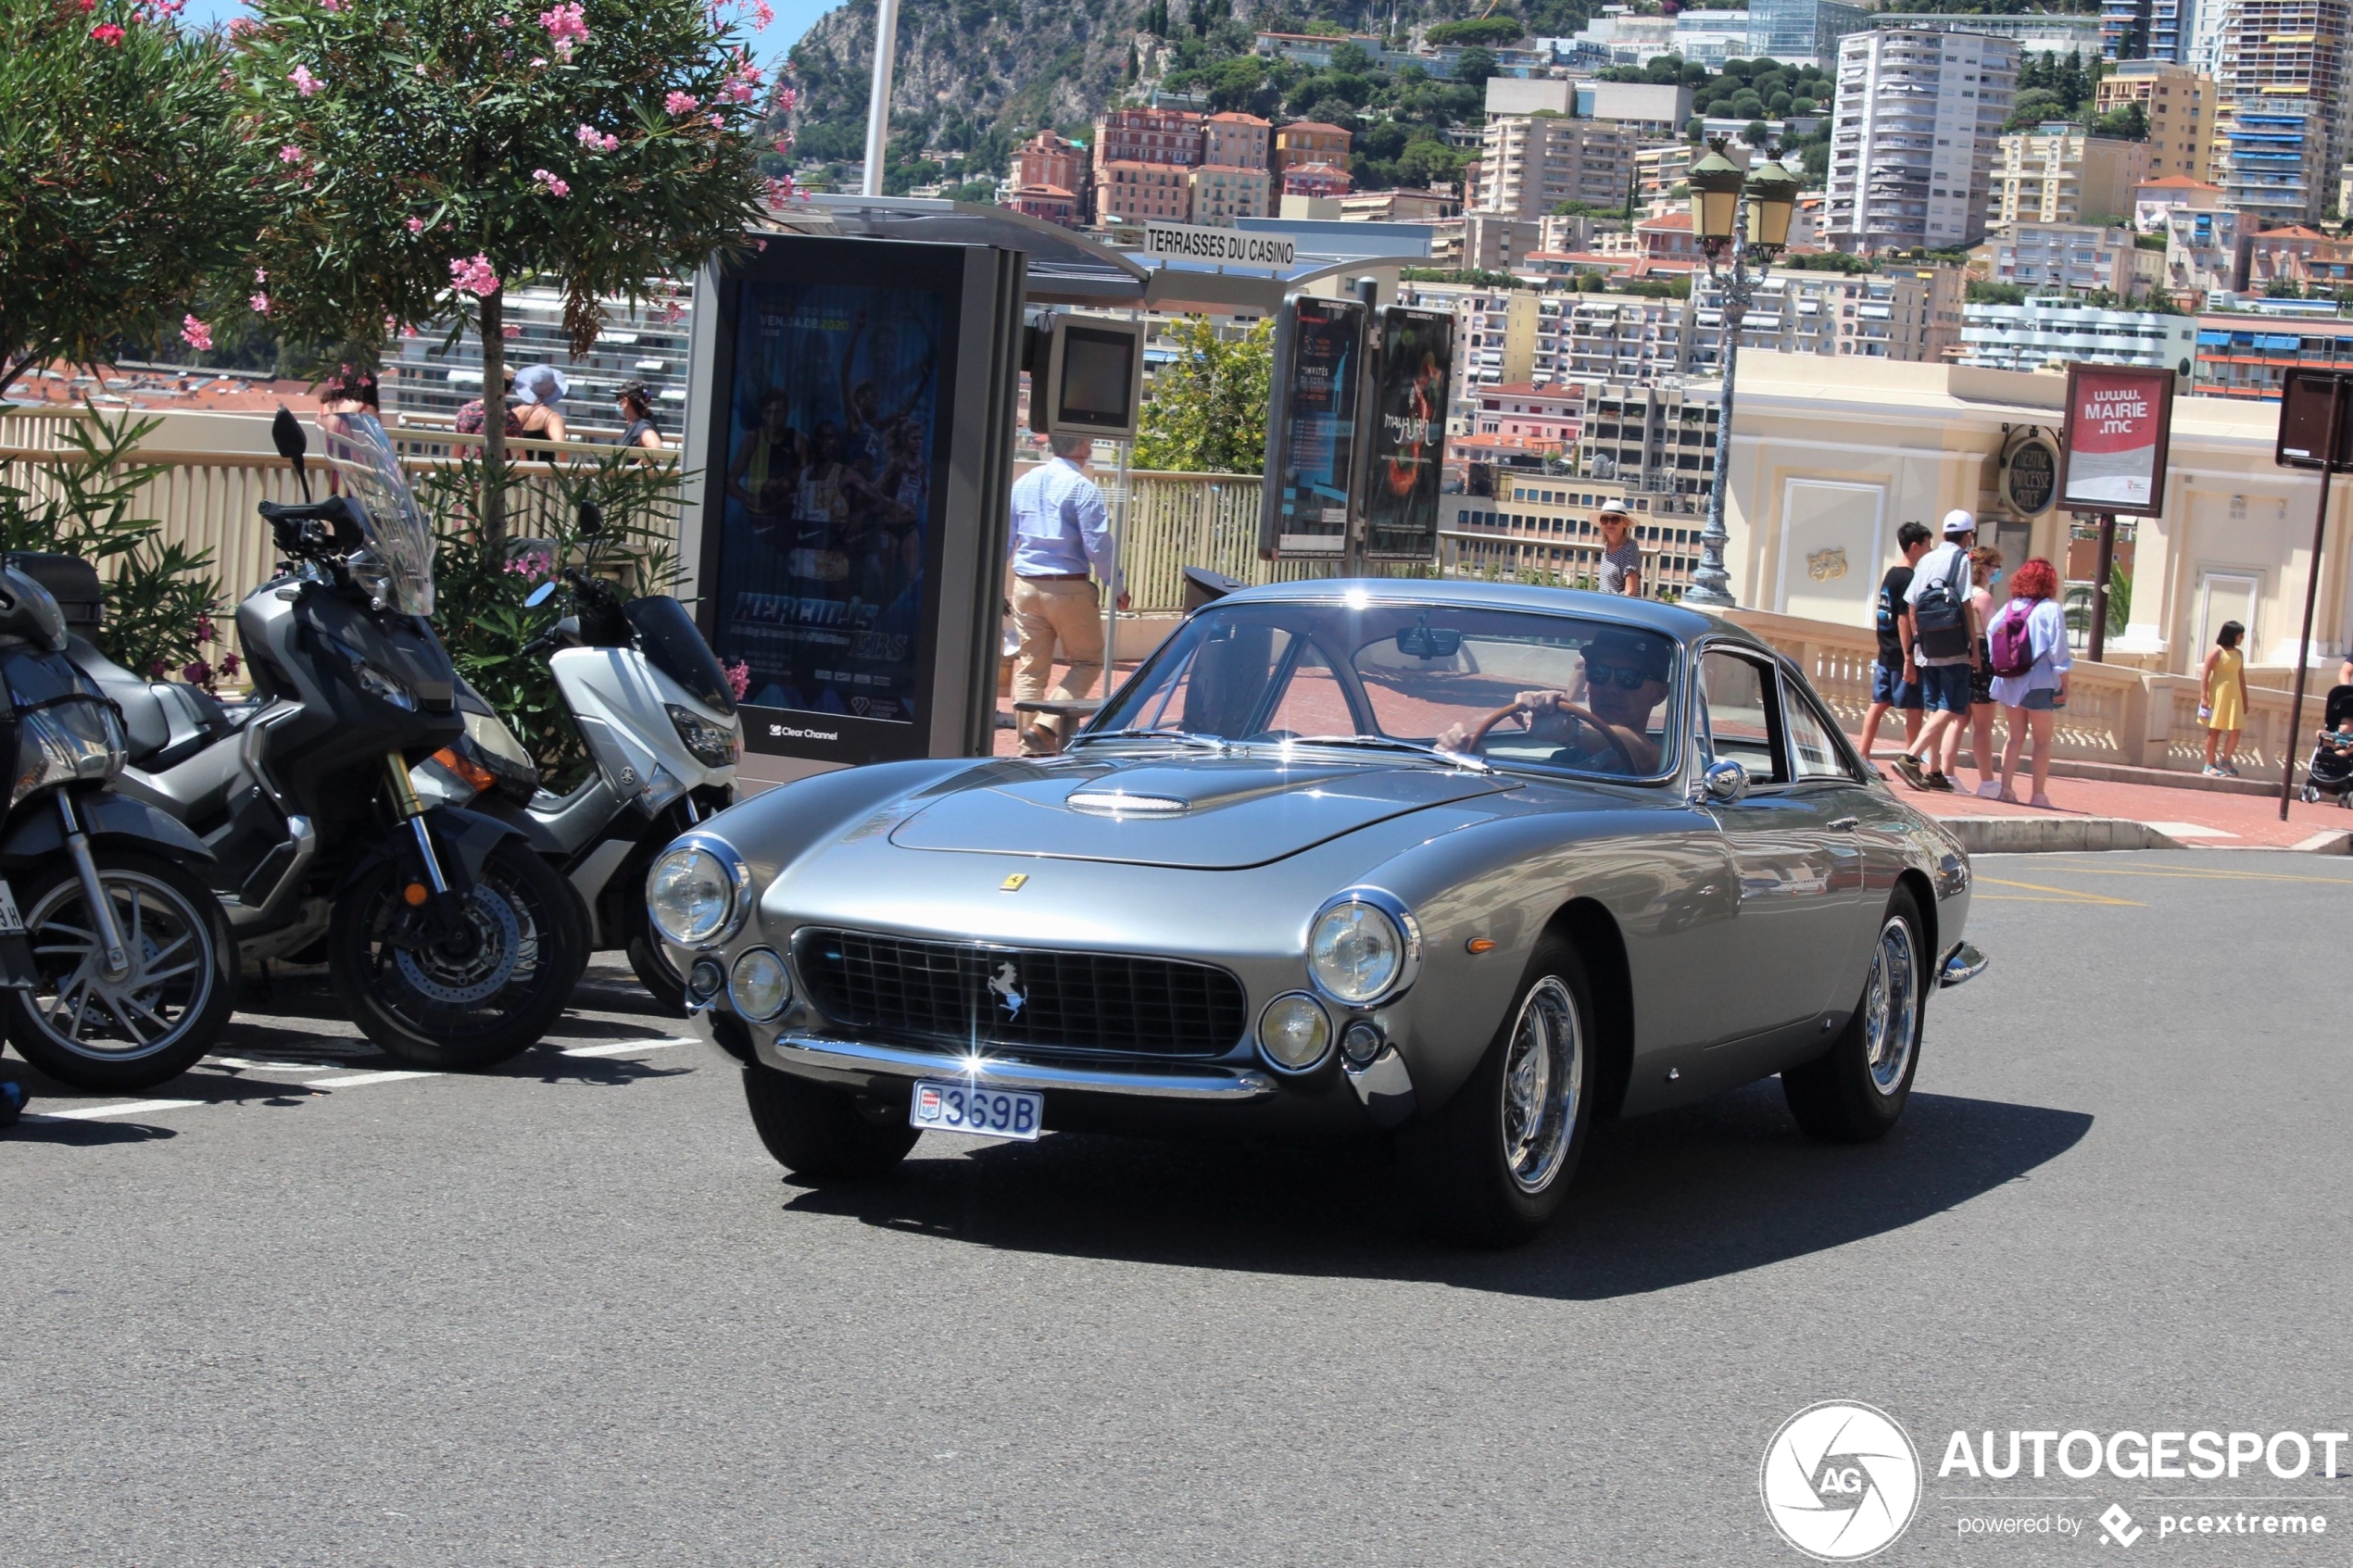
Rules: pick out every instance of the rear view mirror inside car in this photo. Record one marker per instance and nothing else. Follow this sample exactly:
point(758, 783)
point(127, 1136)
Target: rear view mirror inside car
point(1430, 641)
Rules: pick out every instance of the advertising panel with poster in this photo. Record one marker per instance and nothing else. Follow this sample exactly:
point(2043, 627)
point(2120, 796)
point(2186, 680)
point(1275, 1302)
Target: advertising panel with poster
point(2119, 420)
point(1311, 435)
point(1408, 453)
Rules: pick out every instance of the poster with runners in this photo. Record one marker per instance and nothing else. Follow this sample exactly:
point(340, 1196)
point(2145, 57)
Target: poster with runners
point(2119, 420)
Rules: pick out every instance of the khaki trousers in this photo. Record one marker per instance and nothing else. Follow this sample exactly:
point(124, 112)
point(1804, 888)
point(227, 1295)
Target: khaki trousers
point(1047, 611)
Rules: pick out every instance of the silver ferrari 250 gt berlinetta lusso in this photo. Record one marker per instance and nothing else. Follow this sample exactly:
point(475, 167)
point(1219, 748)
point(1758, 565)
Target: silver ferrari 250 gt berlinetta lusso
point(1462, 864)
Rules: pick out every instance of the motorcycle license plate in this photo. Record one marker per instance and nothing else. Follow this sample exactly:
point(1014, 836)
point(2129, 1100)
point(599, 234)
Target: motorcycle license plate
point(11, 922)
point(977, 1109)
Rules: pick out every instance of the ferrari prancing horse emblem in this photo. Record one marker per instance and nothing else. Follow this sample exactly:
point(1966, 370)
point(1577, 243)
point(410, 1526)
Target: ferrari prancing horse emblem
point(1007, 984)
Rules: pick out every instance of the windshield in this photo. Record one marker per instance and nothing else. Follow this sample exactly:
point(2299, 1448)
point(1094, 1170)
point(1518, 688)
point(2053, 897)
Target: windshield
point(1520, 689)
point(361, 459)
point(666, 633)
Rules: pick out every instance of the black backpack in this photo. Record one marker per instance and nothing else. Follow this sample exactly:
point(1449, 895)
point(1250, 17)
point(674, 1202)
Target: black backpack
point(1940, 615)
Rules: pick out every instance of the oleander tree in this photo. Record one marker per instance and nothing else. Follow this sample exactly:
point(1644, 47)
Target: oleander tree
point(124, 185)
point(429, 155)
point(1208, 408)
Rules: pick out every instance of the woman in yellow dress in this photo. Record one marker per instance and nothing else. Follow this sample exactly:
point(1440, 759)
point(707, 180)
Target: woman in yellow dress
point(2223, 699)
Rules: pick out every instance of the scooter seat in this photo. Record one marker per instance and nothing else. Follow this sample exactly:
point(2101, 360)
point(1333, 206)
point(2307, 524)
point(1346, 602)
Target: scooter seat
point(165, 721)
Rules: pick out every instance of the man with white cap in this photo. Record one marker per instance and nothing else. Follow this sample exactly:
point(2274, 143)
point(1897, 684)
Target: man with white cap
point(1944, 633)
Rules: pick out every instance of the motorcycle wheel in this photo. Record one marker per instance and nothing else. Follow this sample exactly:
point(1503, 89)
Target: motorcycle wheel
point(429, 1009)
point(652, 965)
point(118, 1035)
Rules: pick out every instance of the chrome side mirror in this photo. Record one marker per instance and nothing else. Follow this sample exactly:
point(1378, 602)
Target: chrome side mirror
point(1724, 783)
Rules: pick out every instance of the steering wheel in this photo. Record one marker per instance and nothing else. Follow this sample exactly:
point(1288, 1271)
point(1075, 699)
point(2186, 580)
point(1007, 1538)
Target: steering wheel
point(1477, 739)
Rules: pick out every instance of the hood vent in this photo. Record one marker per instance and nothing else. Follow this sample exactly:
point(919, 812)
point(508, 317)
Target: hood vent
point(1120, 803)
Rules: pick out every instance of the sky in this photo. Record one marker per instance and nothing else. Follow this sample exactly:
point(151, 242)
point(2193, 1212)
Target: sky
point(793, 18)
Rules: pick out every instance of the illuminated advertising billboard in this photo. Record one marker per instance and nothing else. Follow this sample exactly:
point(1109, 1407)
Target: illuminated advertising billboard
point(1311, 429)
point(1407, 434)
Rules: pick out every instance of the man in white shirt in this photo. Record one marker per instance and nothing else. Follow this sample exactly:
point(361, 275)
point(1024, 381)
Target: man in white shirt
point(1943, 575)
point(1058, 533)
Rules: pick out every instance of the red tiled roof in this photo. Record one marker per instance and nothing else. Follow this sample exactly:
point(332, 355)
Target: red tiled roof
point(1310, 125)
point(2177, 182)
point(1231, 119)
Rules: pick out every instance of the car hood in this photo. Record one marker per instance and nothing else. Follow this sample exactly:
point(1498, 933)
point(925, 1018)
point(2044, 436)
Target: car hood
point(1210, 814)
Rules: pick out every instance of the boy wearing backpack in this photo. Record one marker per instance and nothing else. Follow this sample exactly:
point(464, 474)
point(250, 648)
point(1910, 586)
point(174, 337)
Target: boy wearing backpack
point(1943, 638)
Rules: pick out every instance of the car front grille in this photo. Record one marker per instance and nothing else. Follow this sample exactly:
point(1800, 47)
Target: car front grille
point(961, 994)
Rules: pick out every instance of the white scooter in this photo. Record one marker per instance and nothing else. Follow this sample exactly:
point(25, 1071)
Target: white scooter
point(655, 710)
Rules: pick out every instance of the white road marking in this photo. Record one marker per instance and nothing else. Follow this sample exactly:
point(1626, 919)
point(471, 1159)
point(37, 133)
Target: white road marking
point(623, 1047)
point(124, 1108)
point(243, 1064)
point(360, 1080)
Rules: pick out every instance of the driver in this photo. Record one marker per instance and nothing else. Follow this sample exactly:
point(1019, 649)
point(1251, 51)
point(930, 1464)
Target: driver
point(1625, 680)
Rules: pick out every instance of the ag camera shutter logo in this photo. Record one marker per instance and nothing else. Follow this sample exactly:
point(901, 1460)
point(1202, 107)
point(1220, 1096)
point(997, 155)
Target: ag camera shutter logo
point(1841, 1481)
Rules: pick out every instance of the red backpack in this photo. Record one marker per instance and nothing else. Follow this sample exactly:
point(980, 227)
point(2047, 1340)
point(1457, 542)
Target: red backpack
point(2010, 643)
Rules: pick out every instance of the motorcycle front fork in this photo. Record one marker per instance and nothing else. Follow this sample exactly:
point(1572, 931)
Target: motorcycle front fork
point(412, 810)
point(112, 952)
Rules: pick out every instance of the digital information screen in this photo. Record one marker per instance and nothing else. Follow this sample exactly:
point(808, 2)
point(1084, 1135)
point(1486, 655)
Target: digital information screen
point(1408, 433)
point(1312, 453)
point(1099, 373)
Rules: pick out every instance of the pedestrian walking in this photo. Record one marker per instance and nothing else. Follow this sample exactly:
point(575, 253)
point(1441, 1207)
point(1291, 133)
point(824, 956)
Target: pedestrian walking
point(1060, 531)
point(2221, 702)
point(1943, 640)
point(636, 401)
point(543, 386)
point(1892, 682)
point(2026, 648)
point(1986, 571)
point(1622, 556)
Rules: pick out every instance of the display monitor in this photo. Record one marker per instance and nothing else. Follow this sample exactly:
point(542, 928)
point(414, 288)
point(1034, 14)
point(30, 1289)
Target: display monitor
point(1094, 378)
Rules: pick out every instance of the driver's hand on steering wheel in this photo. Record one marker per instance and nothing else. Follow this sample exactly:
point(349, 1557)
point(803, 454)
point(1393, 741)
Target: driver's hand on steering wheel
point(1546, 722)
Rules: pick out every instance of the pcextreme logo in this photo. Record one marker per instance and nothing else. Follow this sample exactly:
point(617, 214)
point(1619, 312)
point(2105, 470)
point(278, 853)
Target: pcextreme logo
point(1841, 1481)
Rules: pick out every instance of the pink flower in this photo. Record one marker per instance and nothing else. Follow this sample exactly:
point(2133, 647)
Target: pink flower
point(230, 665)
point(785, 98)
point(566, 26)
point(554, 186)
point(305, 83)
point(595, 142)
point(238, 26)
point(763, 14)
point(331, 5)
point(262, 274)
point(107, 34)
point(159, 670)
point(739, 677)
point(196, 673)
point(681, 103)
point(415, 225)
point(290, 154)
point(85, 7)
point(780, 191)
point(260, 303)
point(475, 277)
point(196, 334)
point(719, 123)
point(510, 332)
point(205, 631)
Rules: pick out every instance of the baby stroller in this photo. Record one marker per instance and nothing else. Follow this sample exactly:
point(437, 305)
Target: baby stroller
point(2331, 770)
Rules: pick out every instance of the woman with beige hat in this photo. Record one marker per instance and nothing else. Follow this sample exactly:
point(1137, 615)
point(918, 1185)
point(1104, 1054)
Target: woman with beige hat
point(1622, 556)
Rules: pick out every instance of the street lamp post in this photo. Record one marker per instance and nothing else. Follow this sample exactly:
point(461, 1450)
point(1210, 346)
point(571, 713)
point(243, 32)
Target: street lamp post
point(1734, 216)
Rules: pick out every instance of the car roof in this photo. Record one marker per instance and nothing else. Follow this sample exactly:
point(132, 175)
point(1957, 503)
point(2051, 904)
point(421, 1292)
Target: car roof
point(1673, 620)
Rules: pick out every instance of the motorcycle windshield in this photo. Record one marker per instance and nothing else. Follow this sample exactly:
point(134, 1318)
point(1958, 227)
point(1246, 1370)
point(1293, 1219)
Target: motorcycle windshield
point(368, 472)
point(666, 634)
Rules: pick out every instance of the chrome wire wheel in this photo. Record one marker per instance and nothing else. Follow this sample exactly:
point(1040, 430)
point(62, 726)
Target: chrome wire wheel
point(1892, 1006)
point(147, 1009)
point(1543, 1078)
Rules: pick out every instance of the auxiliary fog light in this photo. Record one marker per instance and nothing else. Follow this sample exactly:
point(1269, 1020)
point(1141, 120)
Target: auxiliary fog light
point(760, 987)
point(704, 981)
point(1294, 1031)
point(1361, 1044)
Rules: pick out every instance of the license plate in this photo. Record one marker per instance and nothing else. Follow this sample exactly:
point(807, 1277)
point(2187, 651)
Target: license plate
point(11, 922)
point(977, 1109)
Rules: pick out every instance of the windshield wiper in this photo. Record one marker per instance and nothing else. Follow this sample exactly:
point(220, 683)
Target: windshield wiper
point(1182, 737)
point(1389, 743)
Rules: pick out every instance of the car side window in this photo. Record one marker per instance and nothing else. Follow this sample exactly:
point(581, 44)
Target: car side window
point(1813, 755)
point(1743, 717)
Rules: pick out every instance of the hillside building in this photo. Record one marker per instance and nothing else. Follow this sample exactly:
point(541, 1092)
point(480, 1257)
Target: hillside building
point(2179, 104)
point(1309, 141)
point(2077, 257)
point(1913, 133)
point(2050, 330)
point(1529, 164)
point(1051, 159)
point(1151, 136)
point(1130, 193)
point(2059, 173)
point(2282, 93)
point(1221, 194)
point(1236, 141)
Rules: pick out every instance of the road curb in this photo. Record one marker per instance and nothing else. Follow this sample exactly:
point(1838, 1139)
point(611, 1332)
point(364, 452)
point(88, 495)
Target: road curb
point(2333, 841)
point(2054, 836)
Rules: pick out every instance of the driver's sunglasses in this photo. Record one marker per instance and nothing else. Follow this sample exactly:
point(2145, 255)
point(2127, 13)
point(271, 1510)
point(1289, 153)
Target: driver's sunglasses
point(1629, 677)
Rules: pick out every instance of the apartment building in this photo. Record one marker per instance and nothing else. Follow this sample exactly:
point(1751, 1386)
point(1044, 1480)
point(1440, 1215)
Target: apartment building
point(1658, 170)
point(1495, 335)
point(2057, 330)
point(1236, 141)
point(2179, 104)
point(1160, 137)
point(2306, 257)
point(1623, 338)
point(2155, 199)
point(1911, 314)
point(2281, 95)
point(2060, 173)
point(1529, 164)
point(1309, 141)
point(1541, 525)
point(2204, 250)
point(1051, 159)
point(1129, 193)
point(1913, 132)
point(1657, 441)
point(1801, 31)
point(2078, 258)
point(1220, 194)
point(1483, 242)
point(1399, 206)
point(1049, 204)
point(1545, 413)
point(2249, 357)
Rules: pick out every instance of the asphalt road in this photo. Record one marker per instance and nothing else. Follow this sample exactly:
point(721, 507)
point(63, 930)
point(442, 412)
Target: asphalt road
point(570, 1314)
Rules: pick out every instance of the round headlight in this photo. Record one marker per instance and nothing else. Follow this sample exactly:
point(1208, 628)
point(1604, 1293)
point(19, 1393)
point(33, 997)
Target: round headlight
point(1356, 951)
point(1294, 1031)
point(760, 987)
point(690, 895)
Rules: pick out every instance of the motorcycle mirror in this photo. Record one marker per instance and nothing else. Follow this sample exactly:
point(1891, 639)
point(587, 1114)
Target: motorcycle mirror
point(540, 595)
point(286, 433)
point(591, 518)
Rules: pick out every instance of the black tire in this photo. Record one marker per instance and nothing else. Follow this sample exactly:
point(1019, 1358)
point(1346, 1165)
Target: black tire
point(458, 1016)
point(1480, 1176)
point(816, 1133)
point(1857, 1090)
point(168, 918)
point(650, 964)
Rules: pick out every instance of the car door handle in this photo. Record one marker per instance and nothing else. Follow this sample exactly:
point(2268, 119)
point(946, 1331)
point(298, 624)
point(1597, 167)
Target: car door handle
point(1845, 824)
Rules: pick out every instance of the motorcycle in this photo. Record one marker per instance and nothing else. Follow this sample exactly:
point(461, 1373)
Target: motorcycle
point(116, 968)
point(655, 710)
point(450, 940)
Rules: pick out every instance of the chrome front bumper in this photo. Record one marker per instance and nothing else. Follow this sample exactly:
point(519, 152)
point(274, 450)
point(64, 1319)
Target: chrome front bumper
point(1230, 1086)
point(1963, 965)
